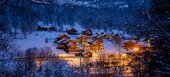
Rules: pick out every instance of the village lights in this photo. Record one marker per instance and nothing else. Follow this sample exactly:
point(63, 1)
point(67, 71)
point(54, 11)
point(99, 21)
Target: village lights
point(136, 49)
point(124, 55)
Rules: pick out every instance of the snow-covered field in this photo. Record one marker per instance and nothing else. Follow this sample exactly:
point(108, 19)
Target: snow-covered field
point(37, 39)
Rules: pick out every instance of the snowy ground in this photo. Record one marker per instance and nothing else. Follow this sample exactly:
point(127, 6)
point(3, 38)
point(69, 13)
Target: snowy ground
point(37, 39)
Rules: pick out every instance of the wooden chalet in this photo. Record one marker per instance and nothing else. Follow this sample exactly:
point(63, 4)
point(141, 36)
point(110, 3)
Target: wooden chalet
point(117, 36)
point(114, 56)
point(101, 38)
point(84, 54)
point(61, 45)
point(69, 41)
point(83, 39)
point(88, 47)
point(109, 36)
point(87, 32)
point(87, 54)
point(132, 46)
point(129, 45)
point(98, 38)
point(72, 48)
point(94, 47)
point(99, 46)
point(64, 36)
point(94, 38)
point(73, 41)
point(72, 31)
point(42, 28)
point(46, 28)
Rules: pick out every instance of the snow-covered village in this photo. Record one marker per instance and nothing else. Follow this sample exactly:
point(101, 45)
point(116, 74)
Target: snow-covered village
point(84, 38)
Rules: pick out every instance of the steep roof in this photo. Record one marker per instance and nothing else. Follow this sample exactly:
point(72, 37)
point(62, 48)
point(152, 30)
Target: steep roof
point(64, 36)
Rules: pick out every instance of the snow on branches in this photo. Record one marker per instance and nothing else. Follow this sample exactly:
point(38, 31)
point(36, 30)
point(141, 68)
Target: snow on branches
point(2, 2)
point(41, 1)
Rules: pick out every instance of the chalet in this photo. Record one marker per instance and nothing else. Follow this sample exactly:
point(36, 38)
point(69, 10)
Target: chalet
point(84, 54)
point(61, 45)
point(71, 47)
point(116, 35)
point(80, 44)
point(100, 38)
point(87, 32)
point(132, 46)
point(72, 31)
point(68, 41)
point(129, 45)
point(42, 28)
point(94, 38)
point(110, 37)
point(79, 54)
point(105, 36)
point(87, 54)
point(88, 47)
point(99, 46)
point(64, 36)
point(73, 41)
point(83, 39)
point(46, 28)
point(118, 40)
point(94, 47)
point(114, 56)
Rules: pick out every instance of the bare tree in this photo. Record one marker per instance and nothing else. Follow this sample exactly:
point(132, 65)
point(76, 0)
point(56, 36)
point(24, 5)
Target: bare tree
point(3, 2)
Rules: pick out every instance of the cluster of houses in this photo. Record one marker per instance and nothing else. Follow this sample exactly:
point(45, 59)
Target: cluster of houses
point(88, 44)
point(74, 31)
point(85, 43)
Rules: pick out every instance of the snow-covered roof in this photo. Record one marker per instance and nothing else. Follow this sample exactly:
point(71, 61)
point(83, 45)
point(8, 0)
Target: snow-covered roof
point(39, 42)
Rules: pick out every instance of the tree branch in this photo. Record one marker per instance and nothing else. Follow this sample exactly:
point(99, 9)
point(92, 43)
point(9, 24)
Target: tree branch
point(40, 2)
point(3, 2)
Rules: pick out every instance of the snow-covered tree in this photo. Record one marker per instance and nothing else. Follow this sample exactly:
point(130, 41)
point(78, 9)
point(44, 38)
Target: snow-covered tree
point(156, 60)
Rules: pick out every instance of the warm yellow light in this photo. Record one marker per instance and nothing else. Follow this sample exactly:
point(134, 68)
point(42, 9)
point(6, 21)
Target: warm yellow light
point(124, 55)
point(136, 49)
